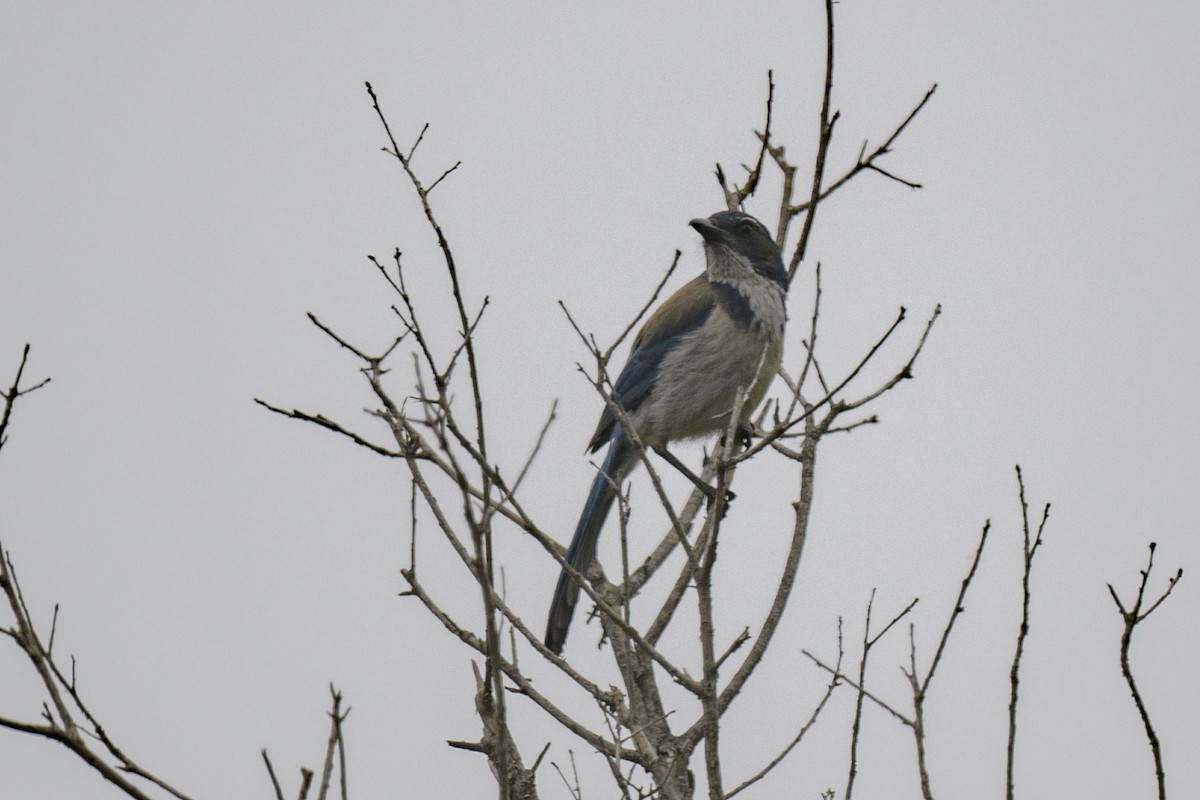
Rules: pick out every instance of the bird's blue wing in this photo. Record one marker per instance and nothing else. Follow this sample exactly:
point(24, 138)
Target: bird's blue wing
point(682, 313)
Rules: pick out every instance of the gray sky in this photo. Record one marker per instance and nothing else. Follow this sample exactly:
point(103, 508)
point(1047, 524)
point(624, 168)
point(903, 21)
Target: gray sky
point(181, 184)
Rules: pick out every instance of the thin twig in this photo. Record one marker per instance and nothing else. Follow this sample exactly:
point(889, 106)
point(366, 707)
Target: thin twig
point(920, 686)
point(904, 372)
point(803, 510)
point(734, 198)
point(481, 532)
point(306, 777)
point(63, 696)
point(868, 642)
point(537, 446)
point(826, 133)
point(778, 431)
point(524, 685)
point(336, 717)
point(328, 424)
point(810, 358)
point(812, 719)
point(866, 162)
point(271, 772)
point(1131, 618)
point(15, 391)
point(958, 608)
point(849, 681)
point(1029, 549)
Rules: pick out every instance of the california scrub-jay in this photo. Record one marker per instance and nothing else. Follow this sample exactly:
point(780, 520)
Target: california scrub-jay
point(720, 333)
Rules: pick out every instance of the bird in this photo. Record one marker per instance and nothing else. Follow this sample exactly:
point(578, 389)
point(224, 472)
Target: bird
point(720, 333)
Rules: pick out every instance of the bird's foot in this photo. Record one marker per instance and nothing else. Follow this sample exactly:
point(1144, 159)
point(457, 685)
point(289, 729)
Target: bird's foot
point(711, 498)
point(741, 437)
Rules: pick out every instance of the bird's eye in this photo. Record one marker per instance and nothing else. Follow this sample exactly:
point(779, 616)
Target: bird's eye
point(748, 225)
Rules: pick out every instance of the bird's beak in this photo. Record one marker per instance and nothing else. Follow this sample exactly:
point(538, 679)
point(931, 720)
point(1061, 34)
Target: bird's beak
point(709, 231)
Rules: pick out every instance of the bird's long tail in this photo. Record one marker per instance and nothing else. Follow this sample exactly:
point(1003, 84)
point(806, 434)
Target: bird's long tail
point(583, 545)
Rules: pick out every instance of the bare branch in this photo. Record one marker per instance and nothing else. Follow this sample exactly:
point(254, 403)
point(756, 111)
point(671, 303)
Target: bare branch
point(904, 372)
point(524, 685)
point(645, 309)
point(271, 772)
point(15, 391)
point(826, 133)
point(812, 719)
point(306, 776)
point(919, 685)
point(780, 430)
point(451, 267)
point(608, 610)
point(441, 177)
point(734, 198)
point(803, 509)
point(329, 332)
point(810, 358)
point(854, 685)
point(328, 424)
point(866, 162)
point(537, 446)
point(335, 745)
point(64, 697)
point(958, 609)
point(1029, 549)
point(1132, 617)
point(868, 642)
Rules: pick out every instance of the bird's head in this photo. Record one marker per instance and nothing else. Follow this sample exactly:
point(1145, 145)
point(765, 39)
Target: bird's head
point(739, 246)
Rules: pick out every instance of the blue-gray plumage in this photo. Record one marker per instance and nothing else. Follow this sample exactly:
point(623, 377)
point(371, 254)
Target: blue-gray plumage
point(720, 333)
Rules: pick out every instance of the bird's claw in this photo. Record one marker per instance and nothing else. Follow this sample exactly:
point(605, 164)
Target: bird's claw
point(742, 438)
point(711, 496)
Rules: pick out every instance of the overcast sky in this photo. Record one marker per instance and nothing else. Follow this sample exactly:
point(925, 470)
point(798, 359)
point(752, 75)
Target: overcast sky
point(181, 183)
